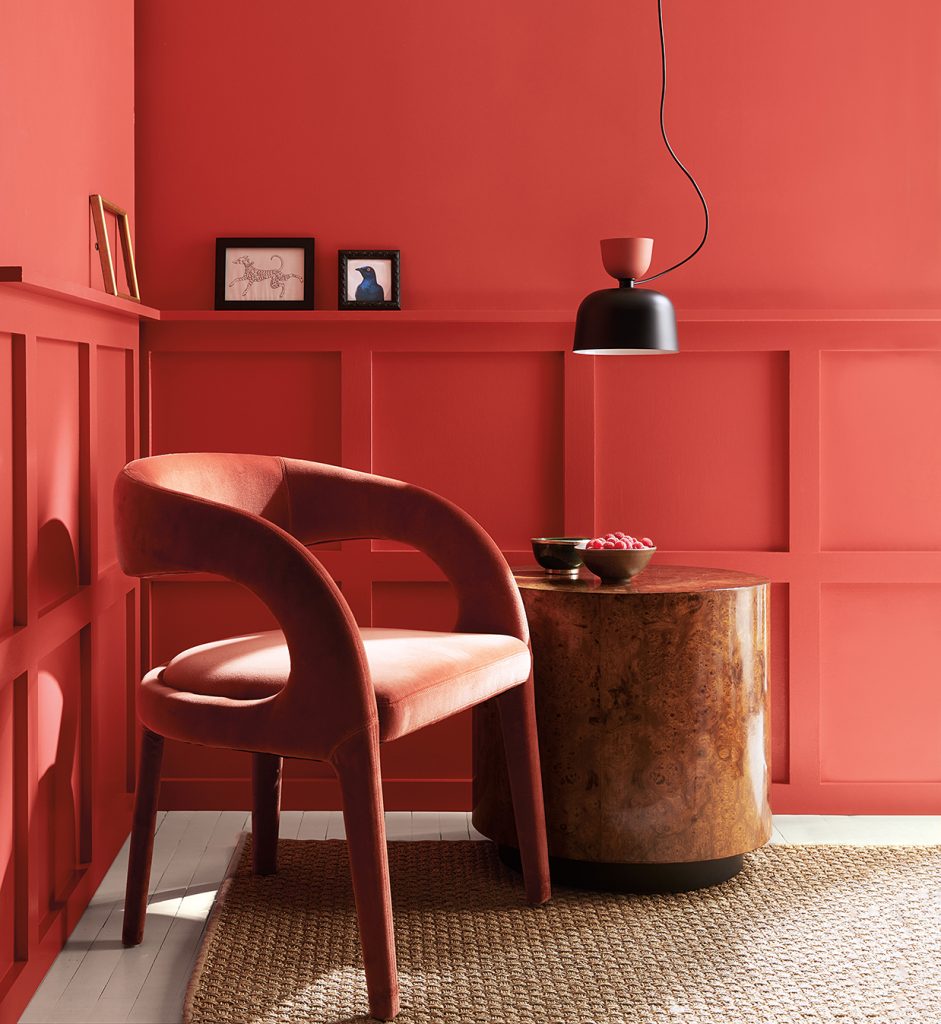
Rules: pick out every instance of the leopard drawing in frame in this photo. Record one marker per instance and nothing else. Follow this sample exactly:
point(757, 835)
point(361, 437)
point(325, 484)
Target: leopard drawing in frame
point(276, 277)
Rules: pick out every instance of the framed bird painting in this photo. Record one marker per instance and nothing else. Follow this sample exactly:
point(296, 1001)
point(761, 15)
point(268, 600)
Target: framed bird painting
point(369, 279)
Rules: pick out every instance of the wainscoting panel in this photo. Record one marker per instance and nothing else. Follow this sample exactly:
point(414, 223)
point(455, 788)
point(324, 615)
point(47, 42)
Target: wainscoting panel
point(484, 428)
point(265, 402)
point(413, 605)
point(115, 435)
point(69, 638)
point(7, 833)
point(880, 451)
point(780, 684)
point(7, 513)
point(767, 445)
point(62, 755)
point(111, 703)
point(880, 710)
point(694, 451)
point(62, 514)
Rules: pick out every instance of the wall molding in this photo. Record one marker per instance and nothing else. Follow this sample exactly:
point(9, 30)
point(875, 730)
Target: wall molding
point(313, 794)
point(496, 317)
point(65, 667)
point(66, 291)
point(802, 565)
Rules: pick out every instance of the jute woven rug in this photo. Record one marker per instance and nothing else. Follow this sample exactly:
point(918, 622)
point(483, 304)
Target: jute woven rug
point(804, 934)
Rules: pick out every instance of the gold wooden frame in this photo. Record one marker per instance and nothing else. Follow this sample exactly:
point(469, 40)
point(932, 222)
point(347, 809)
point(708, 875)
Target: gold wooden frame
point(99, 206)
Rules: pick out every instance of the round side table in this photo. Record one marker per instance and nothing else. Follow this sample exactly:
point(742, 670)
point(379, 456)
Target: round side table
point(653, 712)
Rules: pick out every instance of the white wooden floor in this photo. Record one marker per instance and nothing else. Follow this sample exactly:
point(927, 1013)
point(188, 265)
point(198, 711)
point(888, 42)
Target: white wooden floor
point(95, 979)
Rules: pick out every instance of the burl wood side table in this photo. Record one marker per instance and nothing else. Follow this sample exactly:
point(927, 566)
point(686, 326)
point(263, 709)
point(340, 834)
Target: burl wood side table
point(653, 709)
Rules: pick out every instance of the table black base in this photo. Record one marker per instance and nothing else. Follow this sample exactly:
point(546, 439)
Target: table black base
point(634, 878)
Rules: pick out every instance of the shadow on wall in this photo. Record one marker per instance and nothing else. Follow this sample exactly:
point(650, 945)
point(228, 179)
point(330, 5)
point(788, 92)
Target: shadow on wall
point(54, 828)
point(56, 568)
point(50, 840)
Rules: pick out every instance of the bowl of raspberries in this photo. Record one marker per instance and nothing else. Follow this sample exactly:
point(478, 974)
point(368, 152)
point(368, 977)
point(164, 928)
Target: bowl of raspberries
point(616, 557)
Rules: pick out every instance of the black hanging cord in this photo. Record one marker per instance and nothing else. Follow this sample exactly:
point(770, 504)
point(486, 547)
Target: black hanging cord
point(676, 159)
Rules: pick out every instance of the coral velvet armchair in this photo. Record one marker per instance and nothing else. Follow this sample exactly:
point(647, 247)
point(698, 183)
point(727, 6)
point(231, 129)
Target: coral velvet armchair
point(320, 687)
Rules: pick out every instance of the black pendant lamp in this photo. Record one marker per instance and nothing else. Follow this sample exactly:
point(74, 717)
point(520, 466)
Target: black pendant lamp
point(628, 320)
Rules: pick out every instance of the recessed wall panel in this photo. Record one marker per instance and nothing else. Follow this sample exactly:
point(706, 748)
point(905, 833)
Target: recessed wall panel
point(59, 753)
point(185, 614)
point(780, 683)
point(115, 410)
point(109, 702)
point(56, 427)
point(880, 451)
point(484, 429)
point(7, 560)
point(692, 449)
point(7, 829)
point(414, 605)
point(268, 403)
point(880, 699)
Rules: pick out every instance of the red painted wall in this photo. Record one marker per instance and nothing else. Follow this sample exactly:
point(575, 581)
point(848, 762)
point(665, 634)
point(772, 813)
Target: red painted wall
point(68, 616)
point(67, 71)
point(494, 144)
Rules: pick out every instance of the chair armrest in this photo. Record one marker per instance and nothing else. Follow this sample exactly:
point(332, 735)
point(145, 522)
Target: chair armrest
point(328, 694)
point(331, 503)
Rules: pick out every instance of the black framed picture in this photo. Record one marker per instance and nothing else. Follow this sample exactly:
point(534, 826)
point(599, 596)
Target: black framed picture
point(264, 273)
point(369, 279)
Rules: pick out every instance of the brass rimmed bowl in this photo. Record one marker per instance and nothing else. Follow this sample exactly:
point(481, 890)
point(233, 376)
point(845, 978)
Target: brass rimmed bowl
point(559, 556)
point(618, 564)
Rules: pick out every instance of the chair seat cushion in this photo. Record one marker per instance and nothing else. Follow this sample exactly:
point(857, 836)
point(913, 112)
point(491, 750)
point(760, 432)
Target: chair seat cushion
point(419, 677)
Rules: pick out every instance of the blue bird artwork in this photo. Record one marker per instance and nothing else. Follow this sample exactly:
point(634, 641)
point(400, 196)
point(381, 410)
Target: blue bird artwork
point(369, 289)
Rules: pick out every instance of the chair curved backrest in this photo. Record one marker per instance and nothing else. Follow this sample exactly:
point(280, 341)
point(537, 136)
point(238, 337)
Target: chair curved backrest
point(314, 502)
point(248, 517)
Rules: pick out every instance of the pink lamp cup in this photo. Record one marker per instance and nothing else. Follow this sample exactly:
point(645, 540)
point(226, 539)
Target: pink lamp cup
point(626, 258)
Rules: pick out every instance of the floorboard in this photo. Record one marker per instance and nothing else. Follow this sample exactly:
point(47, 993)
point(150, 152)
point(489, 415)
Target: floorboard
point(95, 979)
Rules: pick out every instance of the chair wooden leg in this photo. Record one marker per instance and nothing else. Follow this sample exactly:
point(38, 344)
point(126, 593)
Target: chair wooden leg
point(357, 765)
point(266, 812)
point(142, 838)
point(518, 723)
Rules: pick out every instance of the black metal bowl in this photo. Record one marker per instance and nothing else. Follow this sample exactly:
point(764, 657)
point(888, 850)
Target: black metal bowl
point(559, 556)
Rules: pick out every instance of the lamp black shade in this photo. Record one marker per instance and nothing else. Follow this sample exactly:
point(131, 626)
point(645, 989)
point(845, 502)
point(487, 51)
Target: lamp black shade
point(625, 321)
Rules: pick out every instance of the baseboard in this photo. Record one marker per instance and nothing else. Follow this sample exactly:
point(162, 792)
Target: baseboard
point(313, 794)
